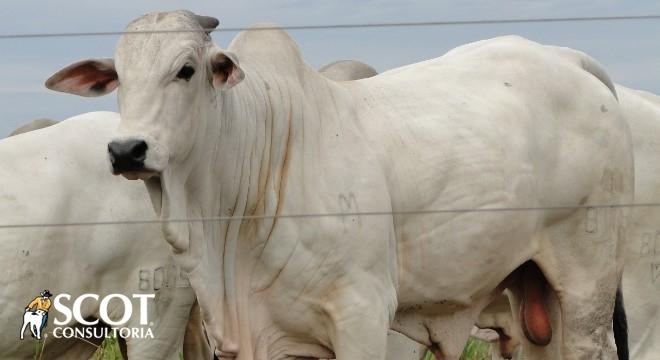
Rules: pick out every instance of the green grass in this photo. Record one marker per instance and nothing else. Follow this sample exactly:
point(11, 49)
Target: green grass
point(109, 350)
point(39, 348)
point(474, 350)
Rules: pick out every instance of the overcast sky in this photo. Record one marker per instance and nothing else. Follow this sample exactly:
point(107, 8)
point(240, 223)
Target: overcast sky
point(630, 50)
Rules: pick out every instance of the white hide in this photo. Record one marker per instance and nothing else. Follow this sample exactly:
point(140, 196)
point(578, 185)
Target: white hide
point(346, 70)
point(33, 125)
point(641, 275)
point(59, 175)
point(641, 281)
point(502, 123)
point(399, 347)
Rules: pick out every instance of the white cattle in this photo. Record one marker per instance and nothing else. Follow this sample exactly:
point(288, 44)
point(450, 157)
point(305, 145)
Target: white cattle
point(32, 320)
point(59, 175)
point(498, 124)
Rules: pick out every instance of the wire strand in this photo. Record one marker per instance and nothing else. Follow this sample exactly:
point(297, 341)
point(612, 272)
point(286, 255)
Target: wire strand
point(343, 26)
point(318, 215)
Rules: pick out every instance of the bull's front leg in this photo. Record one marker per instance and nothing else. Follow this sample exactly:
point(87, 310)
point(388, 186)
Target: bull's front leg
point(195, 343)
point(360, 325)
point(168, 323)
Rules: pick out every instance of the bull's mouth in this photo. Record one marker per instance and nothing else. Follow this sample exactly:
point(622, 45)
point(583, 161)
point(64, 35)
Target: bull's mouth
point(144, 174)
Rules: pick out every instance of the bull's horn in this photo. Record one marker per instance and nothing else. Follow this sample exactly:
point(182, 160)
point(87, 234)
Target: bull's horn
point(207, 23)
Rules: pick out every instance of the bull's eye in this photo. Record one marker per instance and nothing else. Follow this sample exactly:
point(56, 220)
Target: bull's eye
point(186, 72)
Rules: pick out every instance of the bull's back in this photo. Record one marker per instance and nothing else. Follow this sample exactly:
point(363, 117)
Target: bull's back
point(504, 103)
point(504, 123)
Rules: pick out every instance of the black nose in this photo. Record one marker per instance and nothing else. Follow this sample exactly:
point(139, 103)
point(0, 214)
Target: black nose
point(127, 155)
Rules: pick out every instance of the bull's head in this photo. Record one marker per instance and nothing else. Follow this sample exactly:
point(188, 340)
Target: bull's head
point(164, 67)
point(171, 82)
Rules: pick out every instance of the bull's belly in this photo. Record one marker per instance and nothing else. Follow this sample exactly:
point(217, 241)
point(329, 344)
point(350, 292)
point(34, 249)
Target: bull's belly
point(451, 265)
point(458, 258)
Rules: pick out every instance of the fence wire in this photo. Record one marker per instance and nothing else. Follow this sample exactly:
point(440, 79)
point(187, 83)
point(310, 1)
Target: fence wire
point(335, 214)
point(345, 26)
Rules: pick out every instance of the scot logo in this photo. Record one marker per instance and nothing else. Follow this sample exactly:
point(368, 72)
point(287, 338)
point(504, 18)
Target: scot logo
point(36, 314)
point(66, 310)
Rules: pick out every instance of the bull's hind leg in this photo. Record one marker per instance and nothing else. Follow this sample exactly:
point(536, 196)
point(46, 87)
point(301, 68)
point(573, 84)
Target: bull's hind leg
point(449, 333)
point(586, 319)
point(580, 262)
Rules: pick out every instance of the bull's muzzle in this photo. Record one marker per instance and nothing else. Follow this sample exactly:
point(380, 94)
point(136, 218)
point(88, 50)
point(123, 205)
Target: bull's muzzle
point(127, 156)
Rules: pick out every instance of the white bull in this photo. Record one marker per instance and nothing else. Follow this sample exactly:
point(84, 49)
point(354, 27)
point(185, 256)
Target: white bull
point(641, 276)
point(58, 175)
point(498, 124)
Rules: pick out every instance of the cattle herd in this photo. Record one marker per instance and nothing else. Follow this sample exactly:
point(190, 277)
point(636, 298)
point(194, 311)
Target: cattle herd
point(279, 212)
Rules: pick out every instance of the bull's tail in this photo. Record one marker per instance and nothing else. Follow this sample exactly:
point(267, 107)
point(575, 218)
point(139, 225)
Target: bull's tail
point(620, 325)
point(588, 64)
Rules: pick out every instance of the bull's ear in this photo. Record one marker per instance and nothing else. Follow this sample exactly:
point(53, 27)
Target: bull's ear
point(225, 69)
point(94, 77)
